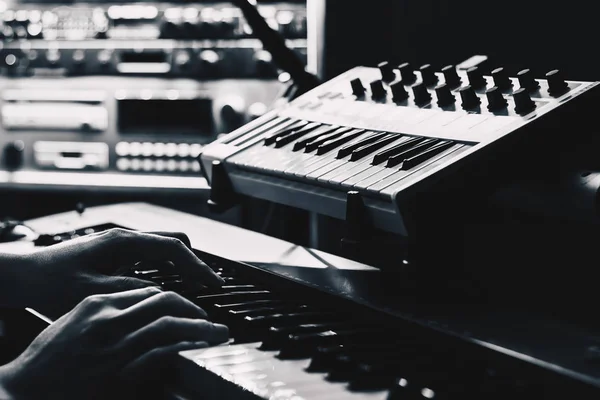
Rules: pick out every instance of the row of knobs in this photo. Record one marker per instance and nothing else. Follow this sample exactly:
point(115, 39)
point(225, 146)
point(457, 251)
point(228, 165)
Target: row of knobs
point(496, 101)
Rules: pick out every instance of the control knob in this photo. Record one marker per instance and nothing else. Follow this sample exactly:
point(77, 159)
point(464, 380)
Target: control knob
point(182, 59)
point(357, 87)
point(526, 80)
point(452, 79)
point(407, 74)
point(476, 79)
point(387, 72)
point(232, 113)
point(209, 61)
point(13, 155)
point(556, 83)
point(469, 98)
point(501, 79)
point(264, 64)
point(399, 93)
point(523, 103)
point(428, 75)
point(421, 94)
point(444, 95)
point(377, 90)
point(496, 100)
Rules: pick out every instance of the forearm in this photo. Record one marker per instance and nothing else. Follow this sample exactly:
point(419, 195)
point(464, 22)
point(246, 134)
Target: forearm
point(5, 393)
point(13, 281)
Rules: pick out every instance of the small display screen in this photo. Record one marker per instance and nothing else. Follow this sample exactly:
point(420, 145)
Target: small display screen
point(174, 117)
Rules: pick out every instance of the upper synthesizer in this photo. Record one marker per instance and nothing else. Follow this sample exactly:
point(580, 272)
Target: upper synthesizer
point(389, 133)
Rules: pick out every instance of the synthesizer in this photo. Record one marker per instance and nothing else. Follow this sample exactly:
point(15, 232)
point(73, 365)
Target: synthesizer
point(368, 143)
point(306, 324)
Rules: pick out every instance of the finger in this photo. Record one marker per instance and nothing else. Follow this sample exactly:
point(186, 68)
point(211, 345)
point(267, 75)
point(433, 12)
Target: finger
point(122, 300)
point(177, 235)
point(169, 330)
point(151, 309)
point(115, 284)
point(156, 362)
point(152, 247)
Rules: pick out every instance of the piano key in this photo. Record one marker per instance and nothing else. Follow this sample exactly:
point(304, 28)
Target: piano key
point(334, 143)
point(232, 297)
point(276, 336)
point(295, 135)
point(304, 344)
point(399, 158)
point(384, 155)
point(370, 138)
point(367, 149)
point(253, 312)
point(324, 138)
point(253, 135)
point(262, 374)
point(415, 160)
point(271, 138)
point(300, 144)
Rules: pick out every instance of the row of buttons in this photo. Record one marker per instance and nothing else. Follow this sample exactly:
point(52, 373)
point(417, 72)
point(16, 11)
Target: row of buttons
point(137, 164)
point(149, 149)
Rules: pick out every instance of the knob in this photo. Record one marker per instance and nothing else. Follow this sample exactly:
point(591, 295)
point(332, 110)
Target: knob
point(104, 57)
point(377, 90)
point(209, 60)
point(13, 155)
point(53, 56)
point(406, 73)
point(421, 94)
point(182, 59)
point(526, 80)
point(556, 83)
point(444, 95)
point(496, 100)
point(78, 57)
point(523, 102)
point(469, 98)
point(451, 76)
point(501, 79)
point(232, 118)
point(357, 87)
point(476, 79)
point(399, 93)
point(256, 110)
point(387, 72)
point(428, 75)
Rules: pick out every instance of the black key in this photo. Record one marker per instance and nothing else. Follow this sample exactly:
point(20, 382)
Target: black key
point(384, 155)
point(283, 132)
point(300, 144)
point(399, 158)
point(333, 143)
point(268, 310)
point(225, 307)
point(303, 345)
point(344, 151)
point(233, 297)
point(369, 148)
point(277, 334)
point(287, 139)
point(324, 138)
point(426, 155)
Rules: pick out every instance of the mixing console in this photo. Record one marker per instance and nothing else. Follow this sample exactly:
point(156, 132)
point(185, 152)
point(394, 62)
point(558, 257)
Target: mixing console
point(366, 143)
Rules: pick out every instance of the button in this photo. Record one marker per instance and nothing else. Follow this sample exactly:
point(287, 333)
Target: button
point(422, 96)
point(444, 95)
point(159, 150)
point(159, 165)
point(196, 166)
point(526, 80)
point(122, 149)
point(451, 76)
point(171, 165)
point(476, 79)
point(377, 90)
point(136, 164)
point(171, 149)
point(195, 150)
point(387, 71)
point(183, 150)
point(501, 79)
point(135, 149)
point(469, 98)
point(399, 93)
point(184, 165)
point(496, 100)
point(147, 149)
point(148, 164)
point(428, 75)
point(407, 74)
point(357, 87)
point(556, 83)
point(523, 103)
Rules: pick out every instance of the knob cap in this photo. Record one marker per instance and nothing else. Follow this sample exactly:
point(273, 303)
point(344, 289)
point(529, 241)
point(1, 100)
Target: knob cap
point(476, 79)
point(501, 79)
point(428, 75)
point(496, 100)
point(452, 79)
point(469, 98)
point(526, 80)
point(13, 155)
point(357, 87)
point(444, 95)
point(523, 102)
point(377, 90)
point(556, 83)
point(421, 94)
point(399, 93)
point(387, 71)
point(407, 74)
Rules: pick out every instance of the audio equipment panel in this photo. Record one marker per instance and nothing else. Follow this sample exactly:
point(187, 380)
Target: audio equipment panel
point(367, 144)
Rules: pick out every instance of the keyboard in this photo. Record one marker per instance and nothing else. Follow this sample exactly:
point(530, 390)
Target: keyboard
point(387, 135)
point(328, 333)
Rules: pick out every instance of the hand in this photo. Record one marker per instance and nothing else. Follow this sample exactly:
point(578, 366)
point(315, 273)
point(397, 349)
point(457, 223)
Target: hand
point(58, 277)
point(109, 343)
